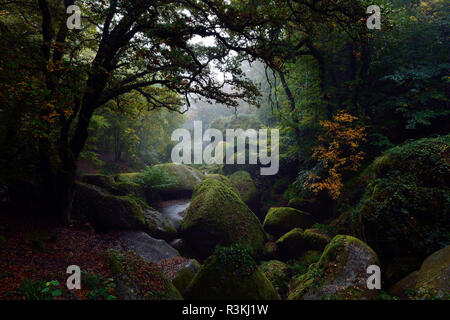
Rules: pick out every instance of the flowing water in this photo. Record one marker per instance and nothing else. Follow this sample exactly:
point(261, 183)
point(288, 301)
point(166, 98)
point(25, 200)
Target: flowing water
point(174, 210)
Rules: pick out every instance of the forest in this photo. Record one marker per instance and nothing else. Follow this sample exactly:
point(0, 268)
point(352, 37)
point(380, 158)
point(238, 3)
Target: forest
point(93, 205)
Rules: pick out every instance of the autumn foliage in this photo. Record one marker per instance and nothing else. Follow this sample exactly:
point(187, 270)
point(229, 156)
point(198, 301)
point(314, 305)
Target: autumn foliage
point(338, 151)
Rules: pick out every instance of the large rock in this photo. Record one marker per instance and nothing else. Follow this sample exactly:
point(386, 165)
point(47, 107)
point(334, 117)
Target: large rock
point(158, 225)
point(340, 273)
point(247, 189)
point(433, 279)
point(148, 248)
point(217, 215)
point(138, 279)
point(109, 212)
point(184, 180)
point(230, 274)
point(405, 288)
point(280, 220)
point(406, 205)
point(297, 241)
point(224, 179)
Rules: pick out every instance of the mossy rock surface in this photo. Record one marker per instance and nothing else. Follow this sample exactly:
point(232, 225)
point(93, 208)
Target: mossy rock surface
point(121, 188)
point(340, 273)
point(406, 206)
point(280, 220)
point(185, 275)
point(110, 212)
point(138, 279)
point(230, 274)
point(433, 280)
point(247, 189)
point(405, 288)
point(185, 179)
point(295, 242)
point(217, 215)
point(107, 212)
point(103, 181)
point(128, 177)
point(277, 273)
point(224, 179)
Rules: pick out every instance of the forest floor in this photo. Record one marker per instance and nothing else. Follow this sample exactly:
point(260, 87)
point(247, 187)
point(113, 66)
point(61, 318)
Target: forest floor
point(34, 252)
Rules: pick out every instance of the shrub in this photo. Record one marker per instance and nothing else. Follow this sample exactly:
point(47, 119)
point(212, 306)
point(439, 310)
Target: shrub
point(237, 257)
point(155, 177)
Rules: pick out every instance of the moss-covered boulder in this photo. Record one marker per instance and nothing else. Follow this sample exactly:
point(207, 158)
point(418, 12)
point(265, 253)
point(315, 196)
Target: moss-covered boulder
point(105, 211)
point(277, 273)
point(340, 273)
point(103, 181)
point(406, 206)
point(138, 279)
point(184, 180)
point(224, 179)
point(121, 187)
point(247, 189)
point(280, 220)
point(110, 212)
point(295, 242)
point(126, 177)
point(185, 275)
point(433, 280)
point(231, 274)
point(217, 215)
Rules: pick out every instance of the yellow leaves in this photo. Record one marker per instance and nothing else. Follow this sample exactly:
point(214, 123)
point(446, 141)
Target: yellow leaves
point(338, 152)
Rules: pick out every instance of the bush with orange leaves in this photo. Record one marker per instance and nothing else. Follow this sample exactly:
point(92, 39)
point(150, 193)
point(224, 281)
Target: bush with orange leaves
point(338, 151)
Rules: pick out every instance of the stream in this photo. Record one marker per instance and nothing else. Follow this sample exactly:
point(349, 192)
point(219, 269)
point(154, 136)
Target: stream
point(174, 210)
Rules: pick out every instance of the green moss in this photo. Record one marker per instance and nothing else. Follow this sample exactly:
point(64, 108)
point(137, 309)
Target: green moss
point(406, 205)
point(300, 266)
point(128, 177)
point(224, 179)
point(106, 211)
point(217, 215)
point(217, 279)
point(434, 275)
point(237, 257)
point(100, 180)
point(183, 279)
point(282, 219)
point(185, 178)
point(130, 270)
point(277, 273)
point(337, 274)
point(295, 242)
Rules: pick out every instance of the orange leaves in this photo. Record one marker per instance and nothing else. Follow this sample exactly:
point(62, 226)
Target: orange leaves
point(338, 152)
